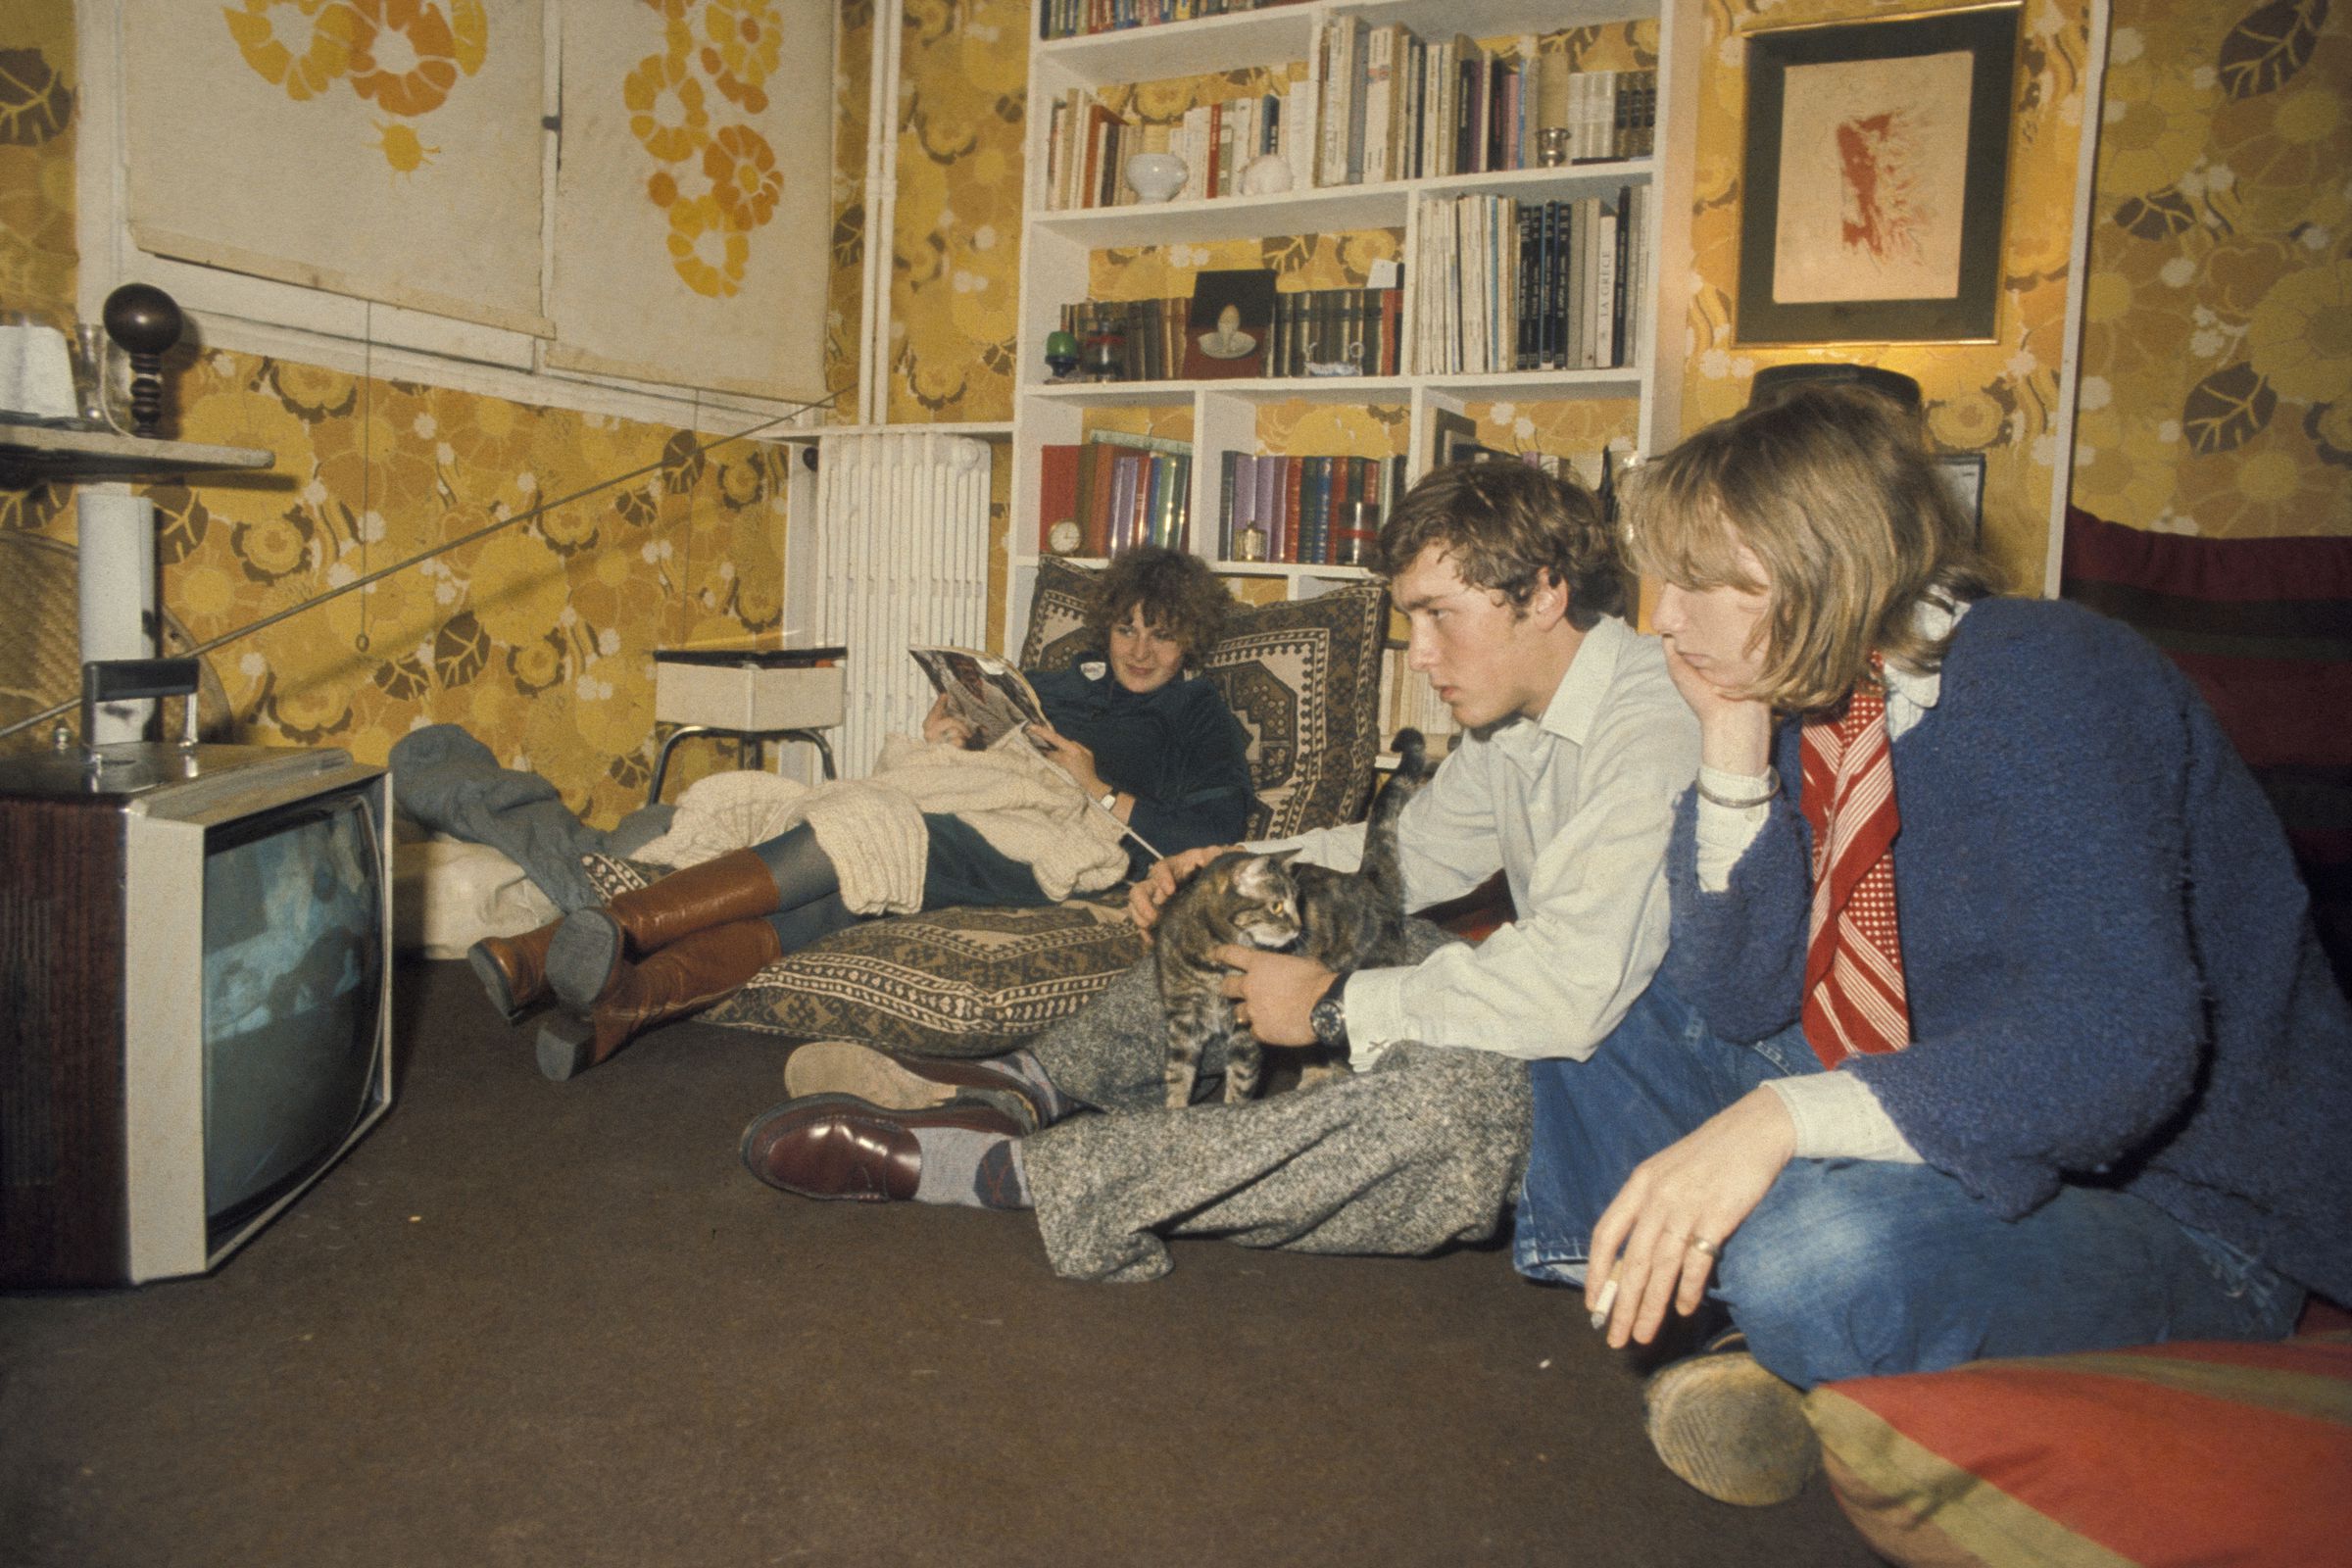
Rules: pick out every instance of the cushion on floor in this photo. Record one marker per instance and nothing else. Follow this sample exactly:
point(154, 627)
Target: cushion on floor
point(2196, 1453)
point(949, 983)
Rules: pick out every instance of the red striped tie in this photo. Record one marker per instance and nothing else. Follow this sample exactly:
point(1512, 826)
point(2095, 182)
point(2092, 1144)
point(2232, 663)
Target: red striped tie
point(1854, 998)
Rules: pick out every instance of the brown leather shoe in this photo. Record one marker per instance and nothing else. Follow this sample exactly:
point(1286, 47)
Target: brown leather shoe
point(893, 1081)
point(692, 973)
point(514, 969)
point(839, 1146)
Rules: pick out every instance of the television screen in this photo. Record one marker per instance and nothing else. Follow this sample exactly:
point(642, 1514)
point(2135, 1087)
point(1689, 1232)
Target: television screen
point(293, 977)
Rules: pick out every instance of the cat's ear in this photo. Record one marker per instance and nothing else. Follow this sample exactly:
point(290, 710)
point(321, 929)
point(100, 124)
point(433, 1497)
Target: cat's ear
point(1282, 857)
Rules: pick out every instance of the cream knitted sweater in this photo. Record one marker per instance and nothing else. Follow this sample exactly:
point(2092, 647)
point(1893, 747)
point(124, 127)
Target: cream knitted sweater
point(872, 828)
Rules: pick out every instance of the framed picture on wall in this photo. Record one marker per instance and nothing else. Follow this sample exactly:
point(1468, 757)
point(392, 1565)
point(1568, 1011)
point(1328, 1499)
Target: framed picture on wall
point(1876, 167)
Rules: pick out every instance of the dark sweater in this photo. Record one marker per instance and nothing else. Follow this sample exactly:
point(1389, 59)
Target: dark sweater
point(1178, 750)
point(2112, 972)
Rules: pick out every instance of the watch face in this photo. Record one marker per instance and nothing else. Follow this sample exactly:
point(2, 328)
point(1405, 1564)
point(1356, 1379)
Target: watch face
point(1062, 538)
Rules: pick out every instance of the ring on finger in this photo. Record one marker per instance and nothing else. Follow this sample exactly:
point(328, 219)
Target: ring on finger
point(1704, 1247)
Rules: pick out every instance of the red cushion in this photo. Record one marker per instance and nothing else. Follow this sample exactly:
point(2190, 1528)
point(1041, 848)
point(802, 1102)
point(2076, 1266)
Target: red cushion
point(2178, 1453)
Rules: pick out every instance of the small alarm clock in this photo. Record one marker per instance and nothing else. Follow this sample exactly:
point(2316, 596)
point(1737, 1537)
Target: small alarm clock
point(1063, 537)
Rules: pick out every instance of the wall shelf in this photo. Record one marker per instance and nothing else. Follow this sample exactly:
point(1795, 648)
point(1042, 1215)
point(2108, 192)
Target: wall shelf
point(39, 453)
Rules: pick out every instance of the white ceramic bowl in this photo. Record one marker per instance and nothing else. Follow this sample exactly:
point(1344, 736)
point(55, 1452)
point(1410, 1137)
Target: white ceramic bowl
point(1155, 177)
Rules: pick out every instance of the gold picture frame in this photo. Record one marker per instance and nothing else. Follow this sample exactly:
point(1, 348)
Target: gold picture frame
point(1876, 172)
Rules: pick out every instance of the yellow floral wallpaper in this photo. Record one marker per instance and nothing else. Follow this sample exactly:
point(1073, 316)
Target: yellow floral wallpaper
point(955, 247)
point(2001, 397)
point(537, 639)
point(2217, 348)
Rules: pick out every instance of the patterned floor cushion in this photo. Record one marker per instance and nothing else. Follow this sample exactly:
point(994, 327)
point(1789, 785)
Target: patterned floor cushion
point(949, 983)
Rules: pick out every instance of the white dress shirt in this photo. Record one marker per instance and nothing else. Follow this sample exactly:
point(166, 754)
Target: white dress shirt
point(1575, 811)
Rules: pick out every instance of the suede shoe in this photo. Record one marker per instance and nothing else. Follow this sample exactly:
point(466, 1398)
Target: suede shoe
point(1729, 1428)
point(840, 1146)
point(897, 1082)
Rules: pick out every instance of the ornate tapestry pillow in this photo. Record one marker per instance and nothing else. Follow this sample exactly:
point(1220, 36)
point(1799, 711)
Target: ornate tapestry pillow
point(948, 983)
point(1302, 676)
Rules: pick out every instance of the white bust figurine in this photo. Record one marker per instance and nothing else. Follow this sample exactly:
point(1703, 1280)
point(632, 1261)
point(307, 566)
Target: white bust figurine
point(1228, 341)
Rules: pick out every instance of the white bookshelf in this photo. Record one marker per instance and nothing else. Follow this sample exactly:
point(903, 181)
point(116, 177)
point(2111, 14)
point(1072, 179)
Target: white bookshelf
point(1057, 245)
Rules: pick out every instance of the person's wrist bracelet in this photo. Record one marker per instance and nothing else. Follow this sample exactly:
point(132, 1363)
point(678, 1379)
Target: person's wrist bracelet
point(1772, 787)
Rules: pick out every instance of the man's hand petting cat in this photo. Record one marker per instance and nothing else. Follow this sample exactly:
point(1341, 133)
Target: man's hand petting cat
point(1165, 877)
point(1277, 993)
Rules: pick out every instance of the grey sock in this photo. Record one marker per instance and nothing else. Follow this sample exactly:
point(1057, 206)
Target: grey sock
point(975, 1169)
point(951, 1163)
point(1052, 1103)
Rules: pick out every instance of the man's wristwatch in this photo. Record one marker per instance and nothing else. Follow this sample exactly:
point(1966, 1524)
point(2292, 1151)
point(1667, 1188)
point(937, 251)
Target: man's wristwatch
point(1329, 1017)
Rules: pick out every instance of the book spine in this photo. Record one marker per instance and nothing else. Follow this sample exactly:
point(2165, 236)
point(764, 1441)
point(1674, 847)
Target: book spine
point(1228, 483)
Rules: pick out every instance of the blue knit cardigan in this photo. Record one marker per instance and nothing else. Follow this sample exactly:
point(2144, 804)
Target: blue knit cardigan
point(2112, 971)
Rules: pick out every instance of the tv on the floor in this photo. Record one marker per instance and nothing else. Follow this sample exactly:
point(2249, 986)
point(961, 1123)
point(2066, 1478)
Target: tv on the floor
point(195, 999)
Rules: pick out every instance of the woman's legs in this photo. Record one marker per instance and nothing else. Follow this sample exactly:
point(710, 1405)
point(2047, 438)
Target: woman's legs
point(692, 973)
point(577, 957)
point(1856, 1268)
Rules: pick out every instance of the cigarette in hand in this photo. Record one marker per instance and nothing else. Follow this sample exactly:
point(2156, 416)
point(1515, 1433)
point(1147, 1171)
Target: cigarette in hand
point(1608, 1298)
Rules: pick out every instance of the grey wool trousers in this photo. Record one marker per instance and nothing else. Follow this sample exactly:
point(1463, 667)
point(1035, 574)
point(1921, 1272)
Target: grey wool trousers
point(1425, 1150)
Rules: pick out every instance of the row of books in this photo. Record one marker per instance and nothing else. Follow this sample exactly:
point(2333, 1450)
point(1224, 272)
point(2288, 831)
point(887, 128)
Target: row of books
point(1379, 105)
point(1396, 107)
point(1357, 331)
point(1507, 285)
point(1075, 19)
point(1088, 145)
point(1308, 511)
point(1112, 490)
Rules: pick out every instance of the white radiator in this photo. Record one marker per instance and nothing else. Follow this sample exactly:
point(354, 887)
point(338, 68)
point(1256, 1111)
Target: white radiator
point(902, 551)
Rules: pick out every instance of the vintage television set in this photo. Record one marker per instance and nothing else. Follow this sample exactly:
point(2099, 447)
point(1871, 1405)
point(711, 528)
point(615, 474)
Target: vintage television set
point(195, 999)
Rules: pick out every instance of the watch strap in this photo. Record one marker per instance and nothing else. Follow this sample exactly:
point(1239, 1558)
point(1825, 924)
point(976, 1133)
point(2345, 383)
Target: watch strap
point(1329, 1017)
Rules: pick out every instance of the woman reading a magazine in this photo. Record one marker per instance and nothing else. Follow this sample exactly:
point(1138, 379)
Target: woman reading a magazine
point(1135, 746)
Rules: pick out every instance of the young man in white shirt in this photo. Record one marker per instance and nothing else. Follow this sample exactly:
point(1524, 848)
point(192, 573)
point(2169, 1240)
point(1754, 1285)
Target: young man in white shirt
point(1574, 751)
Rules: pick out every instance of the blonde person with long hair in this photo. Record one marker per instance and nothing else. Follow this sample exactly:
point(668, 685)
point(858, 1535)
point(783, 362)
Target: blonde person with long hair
point(1991, 1023)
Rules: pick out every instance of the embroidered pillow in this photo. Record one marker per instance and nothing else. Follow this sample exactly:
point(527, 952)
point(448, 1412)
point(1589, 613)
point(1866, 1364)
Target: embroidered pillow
point(1302, 676)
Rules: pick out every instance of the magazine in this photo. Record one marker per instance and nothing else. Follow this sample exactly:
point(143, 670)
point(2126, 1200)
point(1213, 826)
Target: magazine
point(981, 690)
point(993, 697)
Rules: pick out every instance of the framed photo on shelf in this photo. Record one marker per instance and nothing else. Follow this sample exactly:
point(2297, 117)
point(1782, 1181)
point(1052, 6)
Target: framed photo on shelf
point(1226, 331)
point(1876, 170)
point(1456, 441)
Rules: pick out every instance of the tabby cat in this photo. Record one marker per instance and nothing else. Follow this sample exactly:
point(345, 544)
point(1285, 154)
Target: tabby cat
point(1341, 919)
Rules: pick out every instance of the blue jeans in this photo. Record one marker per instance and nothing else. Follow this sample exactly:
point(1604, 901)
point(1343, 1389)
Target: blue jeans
point(1852, 1268)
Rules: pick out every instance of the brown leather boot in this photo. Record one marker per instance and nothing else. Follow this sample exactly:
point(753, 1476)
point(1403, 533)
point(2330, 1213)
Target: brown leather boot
point(591, 947)
point(690, 974)
point(514, 969)
point(735, 886)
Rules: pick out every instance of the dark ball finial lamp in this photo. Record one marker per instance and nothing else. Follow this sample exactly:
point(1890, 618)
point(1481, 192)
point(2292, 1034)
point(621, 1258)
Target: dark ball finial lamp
point(146, 321)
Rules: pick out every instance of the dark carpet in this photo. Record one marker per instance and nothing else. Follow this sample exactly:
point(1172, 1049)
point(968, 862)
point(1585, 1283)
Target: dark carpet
point(538, 1323)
